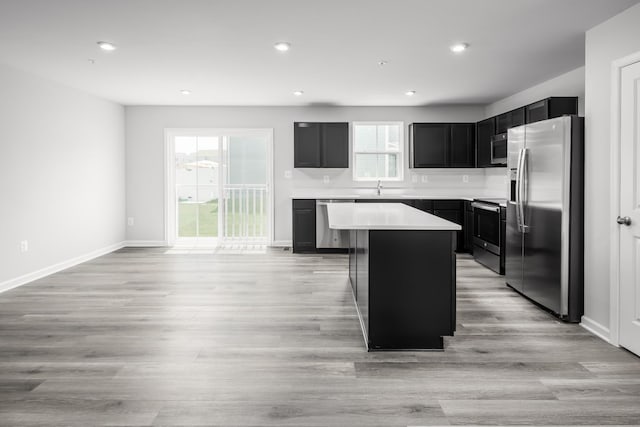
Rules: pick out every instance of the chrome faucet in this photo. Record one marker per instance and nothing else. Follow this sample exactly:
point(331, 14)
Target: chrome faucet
point(379, 187)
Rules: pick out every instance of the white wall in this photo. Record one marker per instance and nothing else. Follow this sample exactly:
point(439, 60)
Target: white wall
point(145, 151)
point(568, 84)
point(61, 174)
point(611, 40)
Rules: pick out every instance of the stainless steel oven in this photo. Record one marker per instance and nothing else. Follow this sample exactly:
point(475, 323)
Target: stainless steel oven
point(499, 149)
point(488, 234)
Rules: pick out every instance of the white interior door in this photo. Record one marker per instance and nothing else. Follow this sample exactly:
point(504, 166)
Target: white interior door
point(629, 218)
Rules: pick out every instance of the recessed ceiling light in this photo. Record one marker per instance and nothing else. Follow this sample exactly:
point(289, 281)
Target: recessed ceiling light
point(282, 46)
point(382, 63)
point(459, 47)
point(410, 92)
point(107, 46)
point(185, 92)
point(298, 92)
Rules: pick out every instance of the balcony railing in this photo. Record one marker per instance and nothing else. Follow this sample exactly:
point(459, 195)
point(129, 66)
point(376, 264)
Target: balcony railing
point(245, 212)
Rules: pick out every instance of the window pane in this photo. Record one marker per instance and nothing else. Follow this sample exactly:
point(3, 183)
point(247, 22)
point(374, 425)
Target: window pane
point(186, 158)
point(388, 138)
point(366, 165)
point(388, 165)
point(365, 138)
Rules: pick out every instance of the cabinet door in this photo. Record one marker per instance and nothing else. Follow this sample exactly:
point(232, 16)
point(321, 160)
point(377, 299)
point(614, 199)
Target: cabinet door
point(424, 205)
point(484, 131)
point(304, 226)
point(430, 143)
point(537, 111)
point(468, 230)
point(517, 117)
point(502, 123)
point(335, 145)
point(462, 145)
point(457, 217)
point(306, 145)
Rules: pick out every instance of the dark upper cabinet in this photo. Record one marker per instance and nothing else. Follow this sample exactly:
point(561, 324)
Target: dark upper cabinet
point(462, 145)
point(484, 131)
point(518, 117)
point(429, 143)
point(551, 107)
point(335, 145)
point(304, 225)
point(509, 120)
point(307, 145)
point(321, 145)
point(441, 145)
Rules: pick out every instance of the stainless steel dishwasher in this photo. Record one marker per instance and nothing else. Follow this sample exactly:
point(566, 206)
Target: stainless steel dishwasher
point(326, 238)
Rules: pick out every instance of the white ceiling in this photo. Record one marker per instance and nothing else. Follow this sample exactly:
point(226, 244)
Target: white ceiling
point(223, 50)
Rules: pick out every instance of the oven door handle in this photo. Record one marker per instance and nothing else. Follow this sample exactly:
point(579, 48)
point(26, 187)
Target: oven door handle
point(485, 207)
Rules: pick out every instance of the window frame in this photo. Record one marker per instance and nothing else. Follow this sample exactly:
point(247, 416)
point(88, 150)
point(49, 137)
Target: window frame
point(400, 153)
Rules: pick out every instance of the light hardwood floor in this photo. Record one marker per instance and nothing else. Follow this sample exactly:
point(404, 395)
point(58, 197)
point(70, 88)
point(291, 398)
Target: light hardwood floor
point(141, 337)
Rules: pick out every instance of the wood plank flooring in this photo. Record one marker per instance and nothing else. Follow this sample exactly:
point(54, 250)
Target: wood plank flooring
point(142, 337)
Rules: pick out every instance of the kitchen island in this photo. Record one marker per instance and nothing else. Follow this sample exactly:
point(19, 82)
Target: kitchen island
point(402, 272)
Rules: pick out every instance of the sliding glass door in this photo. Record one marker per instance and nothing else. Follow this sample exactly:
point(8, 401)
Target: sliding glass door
point(222, 186)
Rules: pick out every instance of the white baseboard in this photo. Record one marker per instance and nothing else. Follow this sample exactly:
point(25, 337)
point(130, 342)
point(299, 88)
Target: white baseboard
point(596, 328)
point(145, 243)
point(281, 244)
point(43, 272)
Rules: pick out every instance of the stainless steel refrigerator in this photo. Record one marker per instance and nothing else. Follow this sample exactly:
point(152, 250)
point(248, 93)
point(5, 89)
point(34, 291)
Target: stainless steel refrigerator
point(545, 236)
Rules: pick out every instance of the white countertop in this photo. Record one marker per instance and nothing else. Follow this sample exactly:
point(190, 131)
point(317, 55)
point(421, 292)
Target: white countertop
point(324, 195)
point(384, 216)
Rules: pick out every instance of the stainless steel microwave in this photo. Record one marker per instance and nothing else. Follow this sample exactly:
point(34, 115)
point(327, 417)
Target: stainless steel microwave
point(499, 149)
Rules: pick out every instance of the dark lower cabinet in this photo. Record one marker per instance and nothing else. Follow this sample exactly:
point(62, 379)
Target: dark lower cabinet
point(456, 216)
point(304, 219)
point(304, 225)
point(467, 228)
point(412, 313)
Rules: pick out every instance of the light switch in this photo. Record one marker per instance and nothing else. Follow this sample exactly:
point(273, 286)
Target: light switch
point(326, 179)
point(287, 174)
point(465, 178)
point(425, 179)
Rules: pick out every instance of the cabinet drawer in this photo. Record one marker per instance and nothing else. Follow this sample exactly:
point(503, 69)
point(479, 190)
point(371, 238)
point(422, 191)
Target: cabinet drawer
point(304, 203)
point(447, 204)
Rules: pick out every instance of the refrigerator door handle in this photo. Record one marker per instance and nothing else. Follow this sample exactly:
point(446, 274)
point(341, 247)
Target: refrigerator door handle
point(524, 192)
point(518, 190)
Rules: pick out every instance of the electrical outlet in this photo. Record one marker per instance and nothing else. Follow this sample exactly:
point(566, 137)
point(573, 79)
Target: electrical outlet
point(425, 179)
point(326, 179)
point(465, 178)
point(24, 246)
point(130, 221)
point(287, 174)
point(414, 179)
